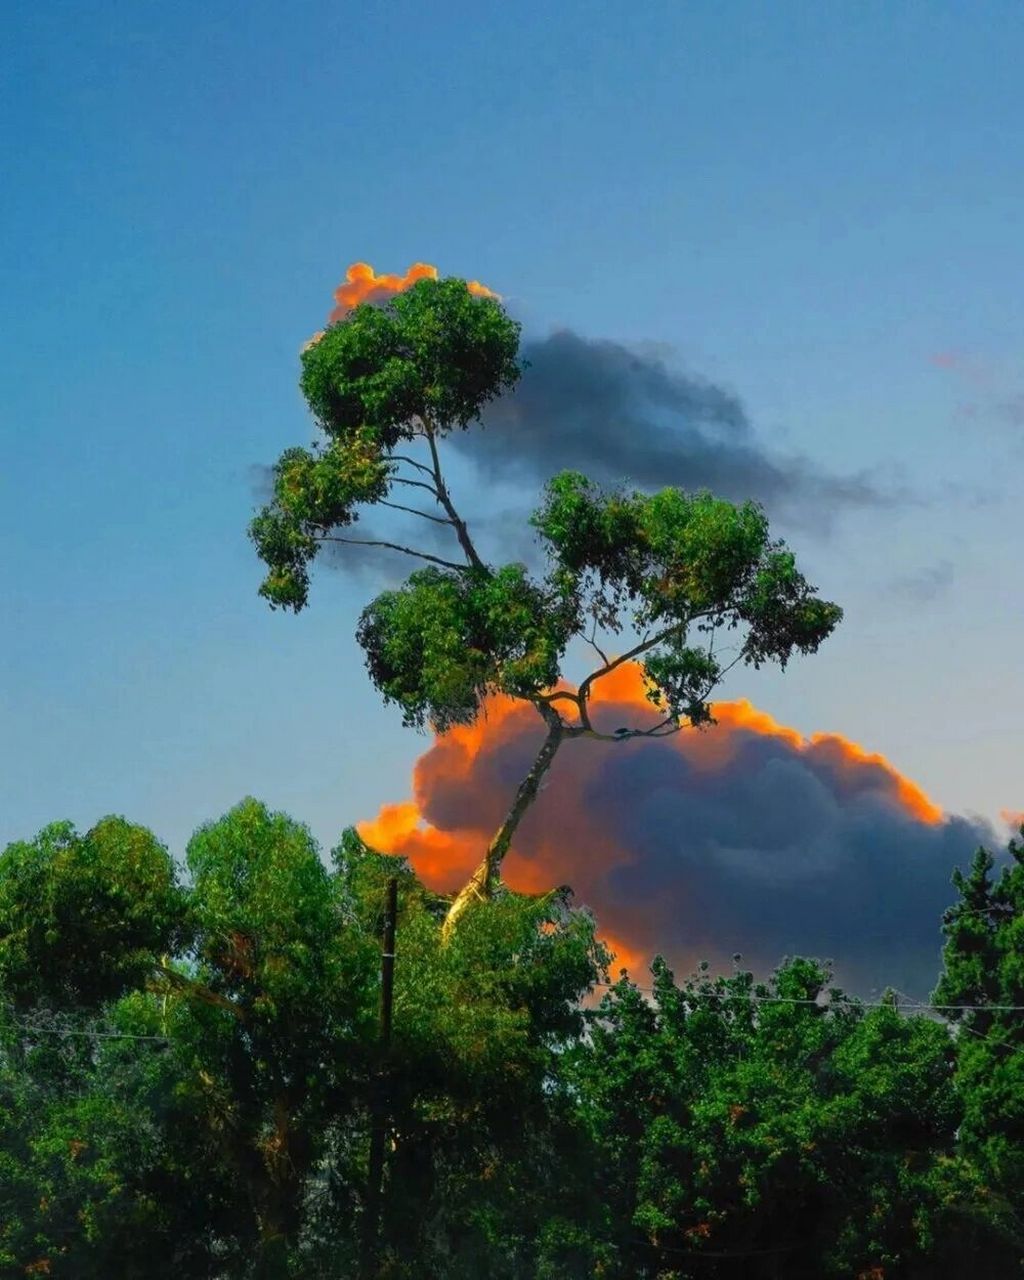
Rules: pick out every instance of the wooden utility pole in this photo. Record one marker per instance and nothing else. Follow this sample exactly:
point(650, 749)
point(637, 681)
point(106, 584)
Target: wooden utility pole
point(378, 1113)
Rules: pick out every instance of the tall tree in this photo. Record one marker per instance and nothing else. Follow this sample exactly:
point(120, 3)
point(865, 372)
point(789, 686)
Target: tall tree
point(672, 571)
point(187, 1063)
point(775, 1129)
point(982, 991)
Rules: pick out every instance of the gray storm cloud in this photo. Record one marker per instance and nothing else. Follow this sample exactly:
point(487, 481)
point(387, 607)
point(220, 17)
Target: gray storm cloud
point(626, 416)
point(745, 838)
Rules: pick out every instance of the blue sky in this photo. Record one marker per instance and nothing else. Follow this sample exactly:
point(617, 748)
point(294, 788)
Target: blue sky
point(817, 206)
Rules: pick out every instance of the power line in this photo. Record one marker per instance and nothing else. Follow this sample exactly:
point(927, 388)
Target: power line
point(33, 1028)
point(903, 1004)
point(849, 1002)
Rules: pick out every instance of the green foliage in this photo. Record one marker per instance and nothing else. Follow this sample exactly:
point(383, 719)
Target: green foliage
point(206, 1112)
point(478, 1028)
point(82, 918)
point(677, 563)
point(427, 361)
point(96, 1170)
point(226, 1134)
point(444, 640)
point(669, 561)
point(314, 491)
point(984, 967)
point(768, 1129)
point(435, 353)
point(266, 917)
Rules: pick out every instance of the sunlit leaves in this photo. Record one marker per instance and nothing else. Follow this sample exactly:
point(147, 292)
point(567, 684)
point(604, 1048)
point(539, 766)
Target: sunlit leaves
point(430, 359)
point(266, 915)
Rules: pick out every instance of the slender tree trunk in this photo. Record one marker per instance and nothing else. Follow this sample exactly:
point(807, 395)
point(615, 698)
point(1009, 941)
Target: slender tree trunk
point(277, 1181)
point(484, 880)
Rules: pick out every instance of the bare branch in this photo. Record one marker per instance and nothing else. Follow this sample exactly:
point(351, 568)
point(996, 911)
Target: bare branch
point(628, 656)
point(562, 694)
point(397, 506)
point(664, 728)
point(420, 466)
point(394, 546)
point(648, 642)
point(592, 641)
point(461, 532)
point(414, 484)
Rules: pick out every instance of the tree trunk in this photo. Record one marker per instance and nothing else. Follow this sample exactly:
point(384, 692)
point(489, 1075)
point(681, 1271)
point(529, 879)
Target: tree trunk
point(484, 880)
point(277, 1177)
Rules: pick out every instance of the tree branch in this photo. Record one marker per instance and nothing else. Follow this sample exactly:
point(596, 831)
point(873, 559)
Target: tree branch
point(648, 642)
point(562, 694)
point(188, 986)
point(414, 484)
point(663, 729)
point(592, 641)
point(395, 546)
point(420, 466)
point(461, 532)
point(397, 506)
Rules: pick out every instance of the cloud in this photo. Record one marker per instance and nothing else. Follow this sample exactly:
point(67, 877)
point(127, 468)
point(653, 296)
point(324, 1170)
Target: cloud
point(363, 284)
point(747, 837)
point(623, 415)
point(924, 584)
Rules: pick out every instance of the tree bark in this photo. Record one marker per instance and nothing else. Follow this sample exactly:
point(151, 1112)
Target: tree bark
point(485, 878)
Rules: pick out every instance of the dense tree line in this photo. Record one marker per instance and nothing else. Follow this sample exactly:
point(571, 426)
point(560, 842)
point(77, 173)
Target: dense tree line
point(190, 1065)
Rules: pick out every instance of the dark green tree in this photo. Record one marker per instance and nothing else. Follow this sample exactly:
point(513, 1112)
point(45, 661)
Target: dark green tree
point(764, 1130)
point(672, 571)
point(85, 918)
point(189, 1093)
point(982, 991)
point(99, 1162)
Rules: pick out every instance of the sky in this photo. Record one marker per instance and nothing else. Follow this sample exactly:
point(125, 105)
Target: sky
point(815, 209)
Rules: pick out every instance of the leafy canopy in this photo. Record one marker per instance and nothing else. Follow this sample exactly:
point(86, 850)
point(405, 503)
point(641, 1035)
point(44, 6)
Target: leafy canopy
point(82, 917)
point(226, 1134)
point(670, 564)
point(428, 361)
point(984, 972)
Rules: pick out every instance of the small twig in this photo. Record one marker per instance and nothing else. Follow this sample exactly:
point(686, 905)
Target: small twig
point(420, 466)
point(397, 506)
point(592, 641)
point(395, 546)
point(414, 484)
point(461, 532)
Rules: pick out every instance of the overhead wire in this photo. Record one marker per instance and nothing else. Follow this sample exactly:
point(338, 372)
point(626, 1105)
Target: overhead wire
point(900, 1004)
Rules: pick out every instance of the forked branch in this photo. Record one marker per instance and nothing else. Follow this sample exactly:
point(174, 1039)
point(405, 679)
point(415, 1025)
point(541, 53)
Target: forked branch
point(487, 876)
point(395, 546)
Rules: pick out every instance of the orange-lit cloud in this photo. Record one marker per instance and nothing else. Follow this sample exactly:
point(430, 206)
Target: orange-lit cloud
point(362, 284)
point(747, 836)
point(1014, 818)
